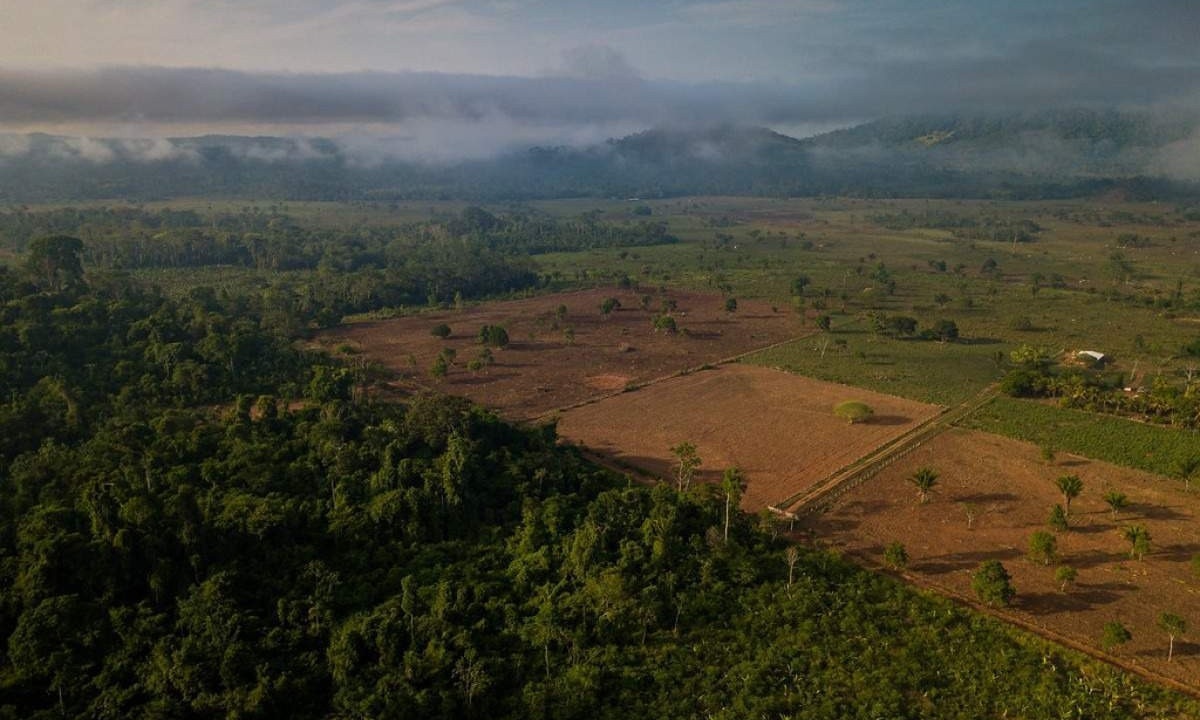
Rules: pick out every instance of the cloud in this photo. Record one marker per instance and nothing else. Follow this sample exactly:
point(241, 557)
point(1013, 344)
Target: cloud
point(13, 145)
point(1179, 160)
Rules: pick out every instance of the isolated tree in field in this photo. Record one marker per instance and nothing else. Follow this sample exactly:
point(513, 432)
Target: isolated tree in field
point(942, 299)
point(1058, 519)
point(1043, 547)
point(993, 584)
point(1139, 541)
point(441, 330)
point(799, 283)
point(924, 479)
point(560, 313)
point(569, 336)
point(493, 336)
point(732, 484)
point(730, 305)
point(687, 461)
point(824, 322)
point(1065, 576)
point(608, 306)
point(1047, 451)
point(482, 360)
point(1174, 626)
point(895, 556)
point(1070, 486)
point(644, 302)
point(1186, 470)
point(972, 512)
point(1116, 501)
point(945, 331)
point(440, 367)
point(853, 411)
point(665, 323)
point(1114, 634)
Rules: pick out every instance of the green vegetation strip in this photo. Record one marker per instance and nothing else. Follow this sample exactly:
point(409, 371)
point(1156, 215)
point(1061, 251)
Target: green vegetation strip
point(1116, 440)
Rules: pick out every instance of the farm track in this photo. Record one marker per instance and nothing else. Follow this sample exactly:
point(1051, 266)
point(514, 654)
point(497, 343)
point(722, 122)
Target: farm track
point(680, 373)
point(820, 496)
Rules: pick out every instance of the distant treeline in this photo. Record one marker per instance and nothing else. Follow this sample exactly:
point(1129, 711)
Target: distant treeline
point(962, 226)
point(131, 238)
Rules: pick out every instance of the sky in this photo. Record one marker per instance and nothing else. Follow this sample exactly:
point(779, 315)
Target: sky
point(471, 75)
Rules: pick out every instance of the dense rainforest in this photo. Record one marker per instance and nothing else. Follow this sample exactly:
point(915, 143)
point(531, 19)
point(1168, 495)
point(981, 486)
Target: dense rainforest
point(199, 518)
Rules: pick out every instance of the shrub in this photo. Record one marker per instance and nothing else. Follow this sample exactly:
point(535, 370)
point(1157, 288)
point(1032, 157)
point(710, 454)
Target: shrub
point(441, 330)
point(853, 411)
point(993, 584)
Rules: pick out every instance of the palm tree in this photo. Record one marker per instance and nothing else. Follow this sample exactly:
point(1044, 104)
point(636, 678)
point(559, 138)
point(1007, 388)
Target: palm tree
point(924, 479)
point(1186, 469)
point(1139, 541)
point(1117, 501)
point(1070, 486)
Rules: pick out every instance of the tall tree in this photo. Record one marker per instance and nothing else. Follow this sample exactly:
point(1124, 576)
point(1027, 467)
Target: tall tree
point(732, 483)
point(924, 479)
point(1174, 626)
point(1070, 486)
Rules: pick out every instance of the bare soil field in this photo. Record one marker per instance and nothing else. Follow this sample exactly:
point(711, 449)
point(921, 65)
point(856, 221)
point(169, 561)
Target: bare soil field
point(1012, 491)
point(543, 368)
point(777, 427)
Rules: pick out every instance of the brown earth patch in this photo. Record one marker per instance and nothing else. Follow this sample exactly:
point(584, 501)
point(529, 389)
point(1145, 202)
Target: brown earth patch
point(777, 427)
point(542, 369)
point(608, 383)
point(1012, 490)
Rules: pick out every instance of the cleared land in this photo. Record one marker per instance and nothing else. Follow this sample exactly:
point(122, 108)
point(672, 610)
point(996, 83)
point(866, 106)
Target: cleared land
point(1012, 491)
point(543, 368)
point(777, 427)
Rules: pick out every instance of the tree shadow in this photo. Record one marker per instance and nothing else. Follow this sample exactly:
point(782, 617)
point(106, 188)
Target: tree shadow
point(480, 379)
point(889, 420)
point(952, 562)
point(1158, 512)
point(865, 507)
point(1178, 553)
point(1092, 529)
point(982, 498)
point(1094, 558)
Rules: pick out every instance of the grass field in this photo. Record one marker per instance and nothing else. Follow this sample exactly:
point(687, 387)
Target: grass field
point(840, 244)
point(1116, 440)
point(931, 372)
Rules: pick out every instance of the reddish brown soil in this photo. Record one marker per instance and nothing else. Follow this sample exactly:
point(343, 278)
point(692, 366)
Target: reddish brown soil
point(1013, 490)
point(777, 427)
point(539, 371)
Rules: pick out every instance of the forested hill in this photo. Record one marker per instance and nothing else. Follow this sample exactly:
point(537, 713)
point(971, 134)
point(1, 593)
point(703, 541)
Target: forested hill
point(200, 519)
point(1023, 155)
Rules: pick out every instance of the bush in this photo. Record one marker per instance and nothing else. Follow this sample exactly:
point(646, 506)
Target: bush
point(493, 336)
point(853, 411)
point(441, 330)
point(993, 584)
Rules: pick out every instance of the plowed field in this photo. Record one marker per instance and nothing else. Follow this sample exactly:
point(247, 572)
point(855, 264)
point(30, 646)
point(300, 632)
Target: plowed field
point(777, 427)
point(545, 367)
point(1011, 490)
